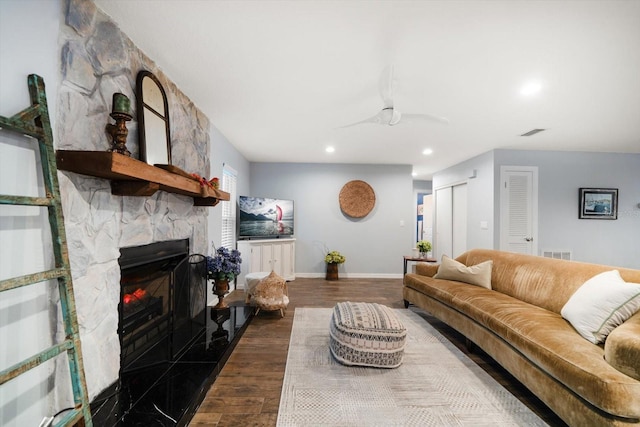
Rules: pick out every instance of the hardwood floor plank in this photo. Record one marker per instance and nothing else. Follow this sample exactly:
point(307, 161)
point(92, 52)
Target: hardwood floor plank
point(255, 370)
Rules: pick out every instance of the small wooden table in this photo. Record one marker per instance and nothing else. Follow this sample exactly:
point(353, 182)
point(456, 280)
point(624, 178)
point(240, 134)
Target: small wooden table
point(408, 258)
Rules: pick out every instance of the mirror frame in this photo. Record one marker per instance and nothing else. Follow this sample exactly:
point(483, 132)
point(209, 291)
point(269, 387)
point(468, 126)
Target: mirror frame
point(149, 149)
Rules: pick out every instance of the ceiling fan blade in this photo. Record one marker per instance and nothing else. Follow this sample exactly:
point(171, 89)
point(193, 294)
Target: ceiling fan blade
point(424, 117)
point(377, 119)
point(387, 85)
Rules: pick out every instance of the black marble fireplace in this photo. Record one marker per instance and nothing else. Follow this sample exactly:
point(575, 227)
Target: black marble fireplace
point(172, 344)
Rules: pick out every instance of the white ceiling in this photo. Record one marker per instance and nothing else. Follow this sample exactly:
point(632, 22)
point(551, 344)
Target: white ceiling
point(279, 78)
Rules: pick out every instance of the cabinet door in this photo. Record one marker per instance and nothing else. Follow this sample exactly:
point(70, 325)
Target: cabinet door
point(286, 260)
point(267, 257)
point(255, 260)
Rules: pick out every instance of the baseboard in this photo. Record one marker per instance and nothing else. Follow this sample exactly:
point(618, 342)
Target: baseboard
point(353, 275)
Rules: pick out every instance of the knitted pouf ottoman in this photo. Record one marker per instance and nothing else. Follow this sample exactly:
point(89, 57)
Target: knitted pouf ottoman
point(366, 334)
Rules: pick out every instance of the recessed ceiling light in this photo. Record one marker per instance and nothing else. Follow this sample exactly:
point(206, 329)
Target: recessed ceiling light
point(414, 173)
point(531, 88)
point(330, 149)
point(427, 151)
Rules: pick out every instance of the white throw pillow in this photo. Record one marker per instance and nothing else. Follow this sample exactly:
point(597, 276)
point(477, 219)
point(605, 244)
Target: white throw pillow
point(479, 274)
point(601, 304)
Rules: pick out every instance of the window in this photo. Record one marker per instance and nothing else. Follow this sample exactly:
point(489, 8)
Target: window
point(229, 181)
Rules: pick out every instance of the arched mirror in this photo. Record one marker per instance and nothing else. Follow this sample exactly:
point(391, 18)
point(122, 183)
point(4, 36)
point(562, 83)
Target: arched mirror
point(153, 120)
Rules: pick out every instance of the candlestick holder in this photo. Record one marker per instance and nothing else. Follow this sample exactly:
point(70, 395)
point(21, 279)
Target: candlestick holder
point(119, 132)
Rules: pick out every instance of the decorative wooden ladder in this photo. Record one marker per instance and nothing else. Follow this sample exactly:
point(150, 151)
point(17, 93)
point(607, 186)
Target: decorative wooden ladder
point(34, 121)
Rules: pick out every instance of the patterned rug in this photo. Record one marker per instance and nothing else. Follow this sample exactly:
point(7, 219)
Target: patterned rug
point(436, 385)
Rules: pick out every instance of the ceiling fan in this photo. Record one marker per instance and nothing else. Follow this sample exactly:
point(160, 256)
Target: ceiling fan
point(389, 115)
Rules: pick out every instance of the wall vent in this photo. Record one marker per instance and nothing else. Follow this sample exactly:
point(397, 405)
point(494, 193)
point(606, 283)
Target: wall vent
point(564, 254)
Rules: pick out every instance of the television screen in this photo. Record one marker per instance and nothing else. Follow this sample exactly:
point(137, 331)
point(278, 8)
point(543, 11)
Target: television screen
point(262, 217)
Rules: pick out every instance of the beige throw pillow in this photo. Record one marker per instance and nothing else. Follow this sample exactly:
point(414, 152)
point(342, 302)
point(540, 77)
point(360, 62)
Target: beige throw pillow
point(601, 304)
point(479, 274)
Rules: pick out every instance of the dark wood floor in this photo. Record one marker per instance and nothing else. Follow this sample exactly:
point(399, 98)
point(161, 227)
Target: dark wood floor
point(247, 391)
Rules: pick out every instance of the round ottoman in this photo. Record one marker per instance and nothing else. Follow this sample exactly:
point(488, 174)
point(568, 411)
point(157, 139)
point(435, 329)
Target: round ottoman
point(250, 282)
point(366, 334)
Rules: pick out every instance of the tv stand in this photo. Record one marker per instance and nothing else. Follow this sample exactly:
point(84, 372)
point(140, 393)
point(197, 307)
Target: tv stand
point(278, 255)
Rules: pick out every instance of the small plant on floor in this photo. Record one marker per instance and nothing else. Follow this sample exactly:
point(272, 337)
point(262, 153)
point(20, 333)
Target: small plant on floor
point(424, 246)
point(334, 257)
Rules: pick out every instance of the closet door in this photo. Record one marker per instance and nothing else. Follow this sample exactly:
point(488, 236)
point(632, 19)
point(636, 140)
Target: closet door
point(451, 221)
point(459, 220)
point(444, 222)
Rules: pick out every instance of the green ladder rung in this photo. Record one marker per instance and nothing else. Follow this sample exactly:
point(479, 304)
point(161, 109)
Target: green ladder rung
point(34, 361)
point(21, 122)
point(73, 416)
point(25, 200)
point(30, 279)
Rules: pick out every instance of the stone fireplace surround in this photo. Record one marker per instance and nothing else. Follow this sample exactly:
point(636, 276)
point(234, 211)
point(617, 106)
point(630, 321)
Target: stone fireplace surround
point(97, 59)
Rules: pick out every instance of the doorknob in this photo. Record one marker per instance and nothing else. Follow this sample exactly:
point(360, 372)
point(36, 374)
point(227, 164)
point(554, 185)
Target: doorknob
point(529, 239)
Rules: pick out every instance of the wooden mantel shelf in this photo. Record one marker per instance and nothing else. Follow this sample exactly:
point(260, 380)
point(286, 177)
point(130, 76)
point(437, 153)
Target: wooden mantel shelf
point(131, 177)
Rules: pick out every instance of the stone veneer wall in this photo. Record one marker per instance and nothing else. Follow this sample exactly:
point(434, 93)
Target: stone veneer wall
point(97, 59)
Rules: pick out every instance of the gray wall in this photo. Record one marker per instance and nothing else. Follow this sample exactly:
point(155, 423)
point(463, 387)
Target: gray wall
point(478, 173)
point(373, 245)
point(561, 174)
point(224, 153)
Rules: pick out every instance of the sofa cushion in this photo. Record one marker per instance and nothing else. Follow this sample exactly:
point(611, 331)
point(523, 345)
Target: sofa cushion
point(479, 275)
point(622, 347)
point(601, 304)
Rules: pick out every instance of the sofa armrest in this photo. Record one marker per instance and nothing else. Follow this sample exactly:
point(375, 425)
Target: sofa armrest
point(426, 268)
point(622, 347)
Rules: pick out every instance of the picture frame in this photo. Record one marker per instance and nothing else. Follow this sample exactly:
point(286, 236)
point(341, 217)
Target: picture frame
point(598, 203)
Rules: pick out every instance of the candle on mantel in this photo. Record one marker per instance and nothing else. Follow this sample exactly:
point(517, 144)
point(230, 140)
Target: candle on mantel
point(121, 103)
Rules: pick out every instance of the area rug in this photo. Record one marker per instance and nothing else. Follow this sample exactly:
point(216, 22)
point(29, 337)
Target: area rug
point(436, 385)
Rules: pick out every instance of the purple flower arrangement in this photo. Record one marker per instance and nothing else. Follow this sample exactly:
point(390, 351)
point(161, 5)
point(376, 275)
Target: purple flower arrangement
point(224, 265)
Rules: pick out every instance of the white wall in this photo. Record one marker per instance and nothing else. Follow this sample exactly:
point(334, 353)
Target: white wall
point(373, 245)
point(561, 174)
point(28, 45)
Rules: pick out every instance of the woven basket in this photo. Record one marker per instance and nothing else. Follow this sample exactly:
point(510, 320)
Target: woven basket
point(357, 199)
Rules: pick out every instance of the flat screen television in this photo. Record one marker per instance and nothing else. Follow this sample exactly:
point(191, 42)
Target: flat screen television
point(263, 217)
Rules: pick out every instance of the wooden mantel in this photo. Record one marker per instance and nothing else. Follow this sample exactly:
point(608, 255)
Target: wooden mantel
point(131, 177)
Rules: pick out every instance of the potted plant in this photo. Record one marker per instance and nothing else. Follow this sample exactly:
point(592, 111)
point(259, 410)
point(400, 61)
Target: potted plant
point(423, 246)
point(223, 267)
point(332, 259)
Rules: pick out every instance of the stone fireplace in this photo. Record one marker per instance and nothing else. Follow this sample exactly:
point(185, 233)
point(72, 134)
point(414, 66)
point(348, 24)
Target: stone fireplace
point(97, 60)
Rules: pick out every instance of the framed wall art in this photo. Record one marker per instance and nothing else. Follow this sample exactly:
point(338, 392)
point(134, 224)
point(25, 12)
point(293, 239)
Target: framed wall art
point(598, 203)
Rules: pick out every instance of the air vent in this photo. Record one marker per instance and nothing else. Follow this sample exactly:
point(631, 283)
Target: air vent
point(566, 255)
point(532, 132)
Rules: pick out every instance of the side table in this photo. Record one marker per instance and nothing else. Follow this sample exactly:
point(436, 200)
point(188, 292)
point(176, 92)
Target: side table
point(408, 258)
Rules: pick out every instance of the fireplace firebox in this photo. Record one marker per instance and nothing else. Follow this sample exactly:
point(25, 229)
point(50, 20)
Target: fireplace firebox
point(170, 351)
point(162, 301)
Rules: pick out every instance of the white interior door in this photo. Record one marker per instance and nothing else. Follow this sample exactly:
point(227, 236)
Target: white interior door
point(444, 222)
point(459, 220)
point(519, 209)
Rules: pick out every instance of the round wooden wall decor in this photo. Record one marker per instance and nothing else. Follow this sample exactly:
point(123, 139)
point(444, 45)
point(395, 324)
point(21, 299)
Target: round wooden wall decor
point(357, 199)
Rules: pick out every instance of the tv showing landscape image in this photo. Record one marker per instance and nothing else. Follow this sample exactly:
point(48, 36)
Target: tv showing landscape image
point(263, 217)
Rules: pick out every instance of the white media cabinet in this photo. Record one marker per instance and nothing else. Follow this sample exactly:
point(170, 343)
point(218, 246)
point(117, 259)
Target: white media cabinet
point(278, 255)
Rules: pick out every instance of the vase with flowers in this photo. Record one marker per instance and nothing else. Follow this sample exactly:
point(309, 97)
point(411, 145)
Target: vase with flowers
point(333, 259)
point(423, 246)
point(223, 267)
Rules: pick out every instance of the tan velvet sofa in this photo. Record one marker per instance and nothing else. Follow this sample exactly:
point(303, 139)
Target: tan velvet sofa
point(518, 323)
